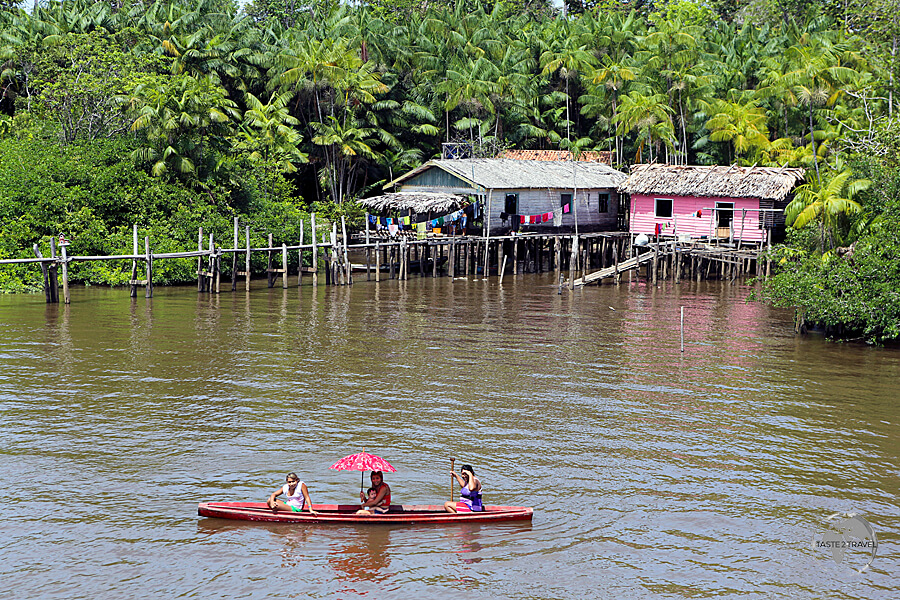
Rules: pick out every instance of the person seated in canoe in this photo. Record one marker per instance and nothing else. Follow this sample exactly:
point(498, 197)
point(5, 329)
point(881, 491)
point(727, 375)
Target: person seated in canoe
point(382, 500)
point(296, 496)
point(469, 495)
point(371, 494)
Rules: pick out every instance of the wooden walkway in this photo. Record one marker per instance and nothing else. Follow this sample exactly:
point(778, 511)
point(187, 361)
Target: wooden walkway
point(626, 265)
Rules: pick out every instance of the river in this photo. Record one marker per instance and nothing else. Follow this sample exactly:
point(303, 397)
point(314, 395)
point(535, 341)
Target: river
point(654, 473)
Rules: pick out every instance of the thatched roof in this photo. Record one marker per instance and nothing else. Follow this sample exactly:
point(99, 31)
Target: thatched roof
point(507, 173)
point(769, 183)
point(418, 202)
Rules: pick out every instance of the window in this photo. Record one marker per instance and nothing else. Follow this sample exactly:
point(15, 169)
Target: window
point(511, 205)
point(724, 213)
point(604, 202)
point(565, 199)
point(663, 208)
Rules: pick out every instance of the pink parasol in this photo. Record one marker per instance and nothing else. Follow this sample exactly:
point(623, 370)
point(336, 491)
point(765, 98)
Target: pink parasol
point(363, 461)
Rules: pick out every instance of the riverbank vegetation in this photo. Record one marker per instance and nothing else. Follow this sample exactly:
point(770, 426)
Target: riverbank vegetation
point(176, 114)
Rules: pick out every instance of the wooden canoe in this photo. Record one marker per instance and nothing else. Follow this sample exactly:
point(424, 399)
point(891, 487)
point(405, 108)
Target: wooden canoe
point(346, 513)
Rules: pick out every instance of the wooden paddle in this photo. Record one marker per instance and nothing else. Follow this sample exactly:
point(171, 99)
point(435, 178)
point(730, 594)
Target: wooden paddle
point(452, 478)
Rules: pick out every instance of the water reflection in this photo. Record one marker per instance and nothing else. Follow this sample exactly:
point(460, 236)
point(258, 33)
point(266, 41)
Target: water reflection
point(361, 554)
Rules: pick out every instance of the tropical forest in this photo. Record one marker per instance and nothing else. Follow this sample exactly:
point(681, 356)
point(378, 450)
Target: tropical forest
point(176, 114)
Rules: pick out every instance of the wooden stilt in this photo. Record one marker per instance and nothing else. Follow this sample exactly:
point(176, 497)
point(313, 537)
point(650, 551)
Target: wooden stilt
point(348, 273)
point(247, 259)
point(300, 257)
point(134, 251)
point(65, 274)
point(148, 266)
point(377, 263)
point(270, 276)
point(52, 273)
point(284, 266)
point(234, 257)
point(200, 260)
point(314, 264)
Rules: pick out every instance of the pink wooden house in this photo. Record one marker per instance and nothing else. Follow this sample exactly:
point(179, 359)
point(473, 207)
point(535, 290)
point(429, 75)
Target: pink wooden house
point(740, 203)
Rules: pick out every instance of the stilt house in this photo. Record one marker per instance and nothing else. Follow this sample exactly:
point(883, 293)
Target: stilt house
point(525, 195)
point(739, 203)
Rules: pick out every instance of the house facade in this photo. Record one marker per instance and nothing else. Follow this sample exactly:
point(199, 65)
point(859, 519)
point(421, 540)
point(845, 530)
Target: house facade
point(526, 195)
point(739, 203)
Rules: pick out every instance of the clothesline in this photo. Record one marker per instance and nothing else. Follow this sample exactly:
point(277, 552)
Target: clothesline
point(538, 218)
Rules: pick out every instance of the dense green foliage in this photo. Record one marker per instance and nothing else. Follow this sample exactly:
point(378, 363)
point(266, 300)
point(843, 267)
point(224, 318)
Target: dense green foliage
point(175, 114)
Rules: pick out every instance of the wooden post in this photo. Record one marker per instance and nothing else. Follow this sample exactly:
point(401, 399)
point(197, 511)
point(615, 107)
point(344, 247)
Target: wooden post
point(315, 255)
point(234, 257)
point(269, 274)
point(677, 264)
point(217, 260)
point(615, 249)
point(557, 261)
point(468, 252)
point(300, 257)
point(284, 266)
point(348, 273)
point(212, 265)
point(573, 260)
point(134, 251)
point(247, 259)
point(148, 262)
point(199, 260)
point(421, 248)
point(368, 252)
point(515, 269)
point(377, 263)
point(65, 274)
point(503, 268)
point(451, 258)
point(655, 263)
point(53, 277)
point(434, 263)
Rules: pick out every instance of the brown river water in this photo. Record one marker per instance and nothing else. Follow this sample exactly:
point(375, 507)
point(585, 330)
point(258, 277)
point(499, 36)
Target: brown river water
point(653, 473)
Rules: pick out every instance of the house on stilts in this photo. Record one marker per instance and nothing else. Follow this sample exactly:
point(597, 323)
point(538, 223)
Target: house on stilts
point(534, 194)
point(742, 204)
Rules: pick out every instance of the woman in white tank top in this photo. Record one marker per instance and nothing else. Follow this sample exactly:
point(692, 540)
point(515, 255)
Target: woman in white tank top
point(296, 496)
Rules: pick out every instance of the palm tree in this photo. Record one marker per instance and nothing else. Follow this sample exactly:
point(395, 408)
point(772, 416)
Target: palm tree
point(568, 56)
point(178, 119)
point(825, 203)
point(269, 133)
point(648, 115)
point(815, 79)
point(744, 125)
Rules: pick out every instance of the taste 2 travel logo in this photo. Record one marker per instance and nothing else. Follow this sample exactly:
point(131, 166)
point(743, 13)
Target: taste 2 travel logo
point(849, 539)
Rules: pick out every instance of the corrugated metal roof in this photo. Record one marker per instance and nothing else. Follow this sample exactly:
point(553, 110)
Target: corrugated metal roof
point(604, 157)
point(505, 173)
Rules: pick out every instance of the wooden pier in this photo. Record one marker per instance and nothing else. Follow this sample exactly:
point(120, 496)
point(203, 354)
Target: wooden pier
point(578, 260)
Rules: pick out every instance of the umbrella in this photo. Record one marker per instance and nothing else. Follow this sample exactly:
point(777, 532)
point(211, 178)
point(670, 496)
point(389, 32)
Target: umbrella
point(362, 462)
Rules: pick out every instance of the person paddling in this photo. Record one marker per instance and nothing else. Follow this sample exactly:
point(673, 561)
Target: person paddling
point(469, 495)
point(296, 496)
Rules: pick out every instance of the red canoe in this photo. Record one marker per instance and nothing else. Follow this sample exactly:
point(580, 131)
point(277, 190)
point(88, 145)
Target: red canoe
point(346, 513)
